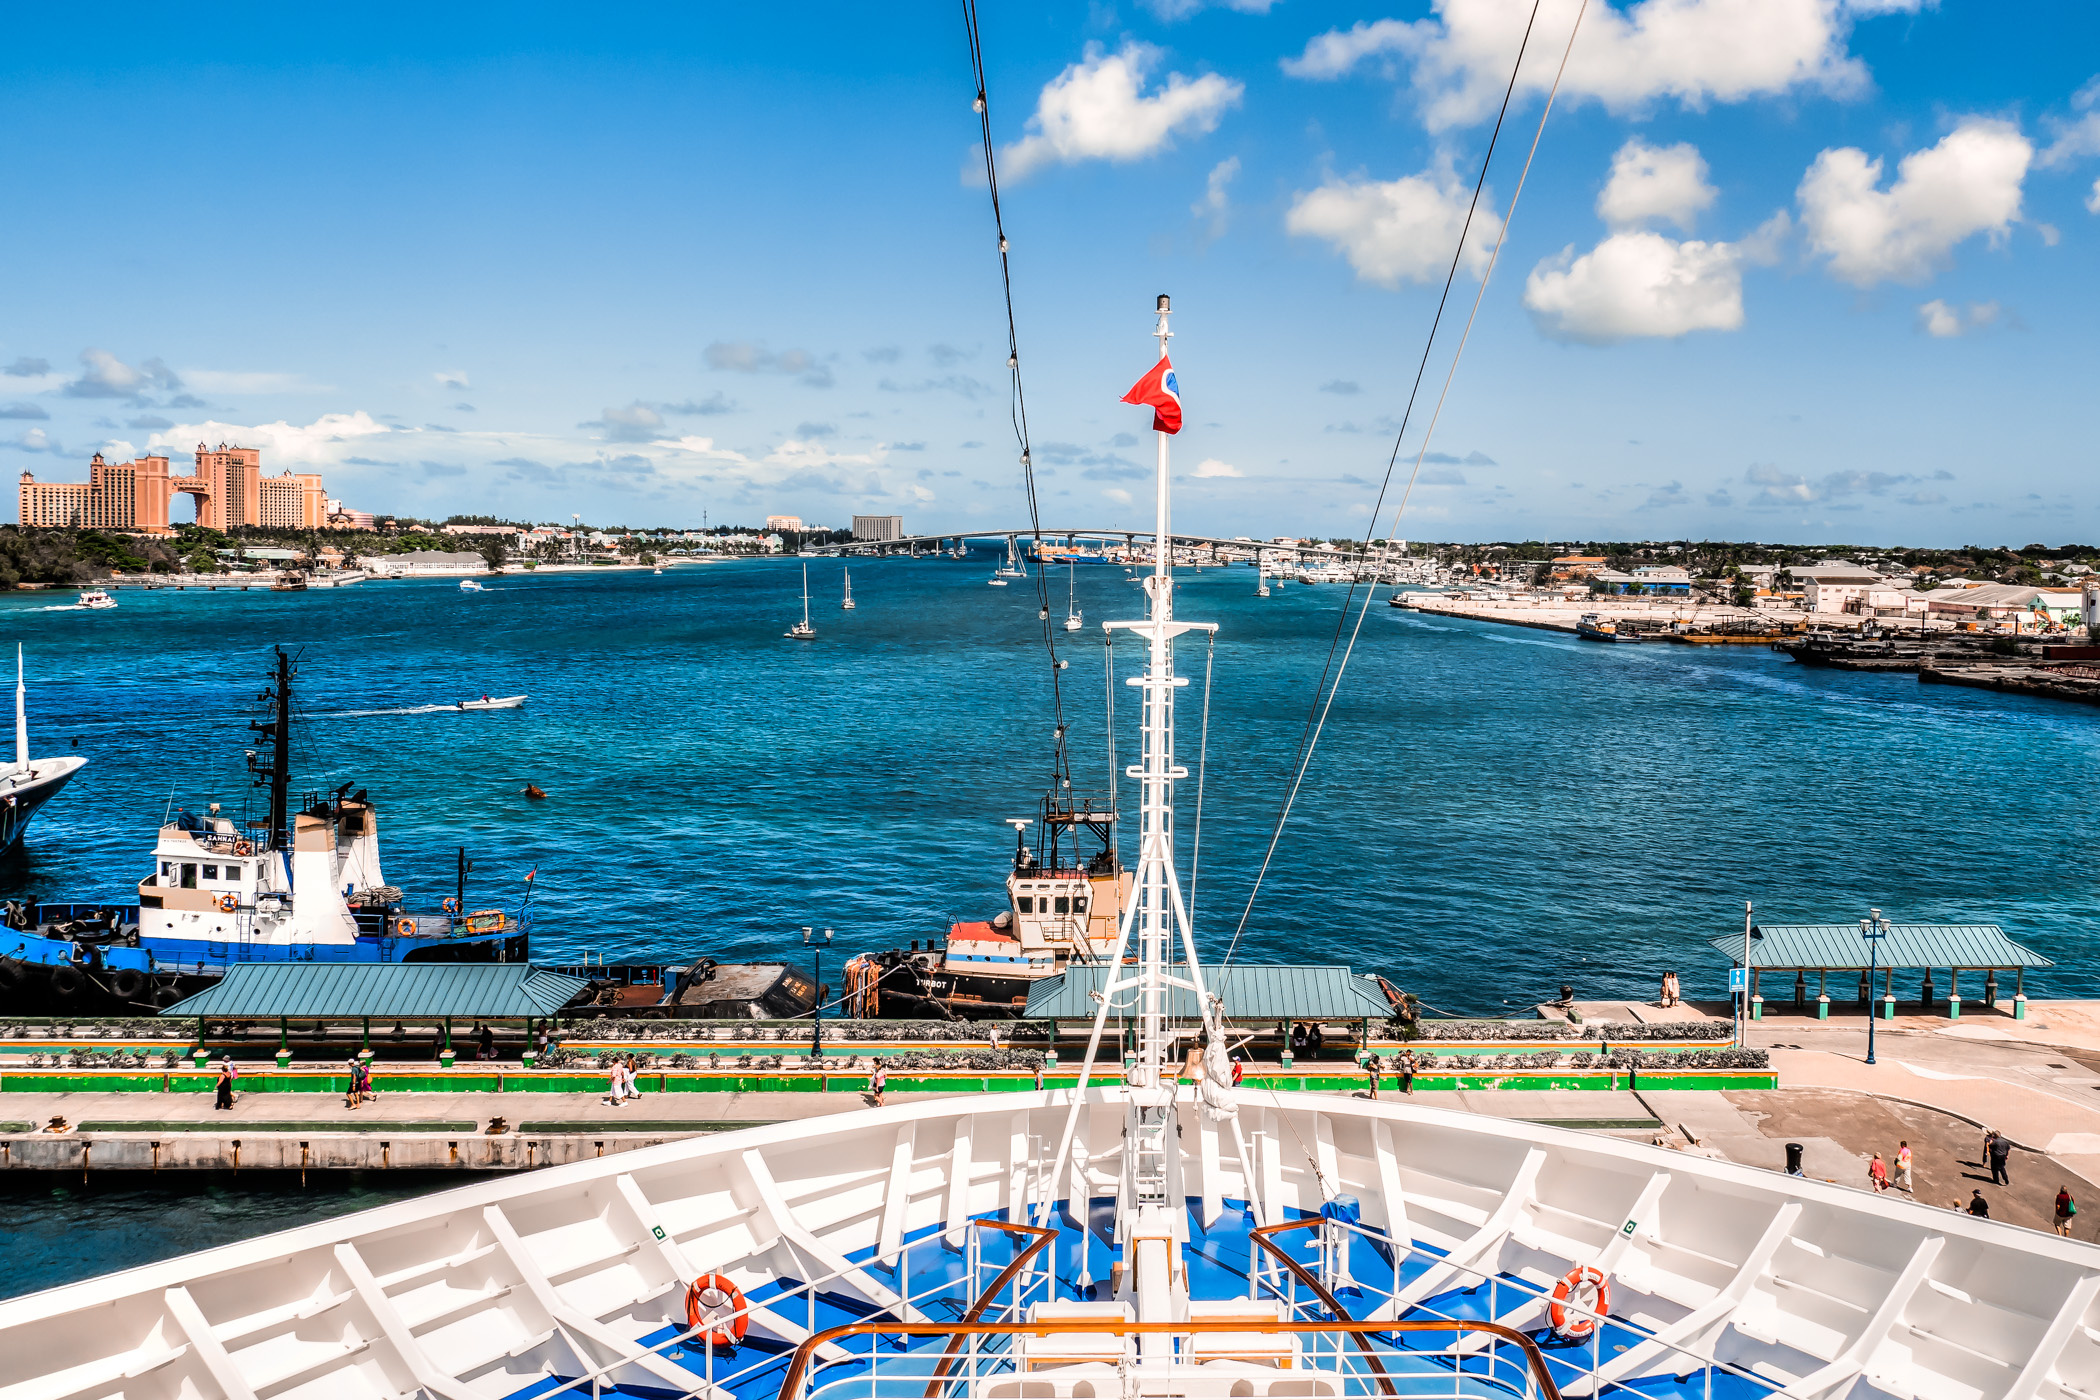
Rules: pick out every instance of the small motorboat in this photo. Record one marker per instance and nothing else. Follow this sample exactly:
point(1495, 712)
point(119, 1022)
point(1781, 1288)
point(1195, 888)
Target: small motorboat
point(467, 585)
point(95, 598)
point(996, 582)
point(500, 702)
point(532, 790)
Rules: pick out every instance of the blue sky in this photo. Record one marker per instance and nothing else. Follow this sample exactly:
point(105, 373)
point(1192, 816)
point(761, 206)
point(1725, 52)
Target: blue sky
point(1799, 269)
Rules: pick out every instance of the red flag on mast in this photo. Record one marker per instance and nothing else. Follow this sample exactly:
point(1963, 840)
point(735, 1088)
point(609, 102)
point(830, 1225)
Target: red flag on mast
point(1162, 391)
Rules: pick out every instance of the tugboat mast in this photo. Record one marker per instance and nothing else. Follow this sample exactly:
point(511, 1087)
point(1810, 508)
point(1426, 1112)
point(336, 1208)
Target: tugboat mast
point(277, 776)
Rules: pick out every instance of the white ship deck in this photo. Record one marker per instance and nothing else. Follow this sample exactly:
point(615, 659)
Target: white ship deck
point(1725, 1280)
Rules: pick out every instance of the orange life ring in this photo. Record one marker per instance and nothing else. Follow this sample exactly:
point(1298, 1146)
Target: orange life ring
point(715, 1304)
point(228, 903)
point(451, 905)
point(244, 848)
point(405, 927)
point(1587, 1289)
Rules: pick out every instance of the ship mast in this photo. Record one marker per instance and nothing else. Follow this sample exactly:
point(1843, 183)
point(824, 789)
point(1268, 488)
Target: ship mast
point(1157, 915)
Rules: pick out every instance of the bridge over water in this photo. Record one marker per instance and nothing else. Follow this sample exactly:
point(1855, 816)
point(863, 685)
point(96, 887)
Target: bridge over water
point(1129, 539)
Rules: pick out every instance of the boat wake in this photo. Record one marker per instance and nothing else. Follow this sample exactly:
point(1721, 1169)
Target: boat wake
point(410, 710)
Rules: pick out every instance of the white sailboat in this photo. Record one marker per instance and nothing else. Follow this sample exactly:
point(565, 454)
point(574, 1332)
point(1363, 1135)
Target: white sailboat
point(1014, 567)
point(847, 606)
point(1073, 620)
point(802, 631)
point(1132, 1237)
point(1261, 579)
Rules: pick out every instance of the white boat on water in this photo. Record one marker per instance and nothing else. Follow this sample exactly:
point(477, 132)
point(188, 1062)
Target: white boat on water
point(95, 598)
point(500, 702)
point(847, 605)
point(1074, 620)
point(467, 585)
point(802, 631)
point(1135, 1237)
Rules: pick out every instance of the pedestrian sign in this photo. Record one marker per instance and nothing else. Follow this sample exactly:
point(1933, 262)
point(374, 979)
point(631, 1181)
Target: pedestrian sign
point(1738, 979)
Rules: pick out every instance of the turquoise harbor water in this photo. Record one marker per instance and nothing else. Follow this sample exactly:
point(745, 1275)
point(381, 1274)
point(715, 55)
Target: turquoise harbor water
point(1493, 812)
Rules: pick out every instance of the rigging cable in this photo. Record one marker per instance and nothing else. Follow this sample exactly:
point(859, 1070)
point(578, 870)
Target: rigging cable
point(1018, 403)
point(1202, 763)
point(1324, 694)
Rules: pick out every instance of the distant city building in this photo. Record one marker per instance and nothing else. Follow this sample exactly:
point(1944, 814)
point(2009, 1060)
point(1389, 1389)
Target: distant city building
point(878, 527)
point(1578, 565)
point(507, 531)
point(791, 523)
point(227, 484)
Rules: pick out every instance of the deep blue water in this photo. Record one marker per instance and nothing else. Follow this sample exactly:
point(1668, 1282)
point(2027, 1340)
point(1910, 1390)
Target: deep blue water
point(1494, 811)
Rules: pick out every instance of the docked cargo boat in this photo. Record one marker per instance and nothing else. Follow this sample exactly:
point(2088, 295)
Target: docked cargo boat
point(298, 886)
point(704, 990)
point(1162, 1234)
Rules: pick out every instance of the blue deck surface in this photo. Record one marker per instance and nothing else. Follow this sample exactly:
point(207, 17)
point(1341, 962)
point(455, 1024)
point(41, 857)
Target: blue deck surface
point(932, 1272)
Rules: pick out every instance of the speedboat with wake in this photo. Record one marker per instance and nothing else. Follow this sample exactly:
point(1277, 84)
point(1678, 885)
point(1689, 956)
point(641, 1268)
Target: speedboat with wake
point(1155, 1231)
point(500, 702)
point(298, 885)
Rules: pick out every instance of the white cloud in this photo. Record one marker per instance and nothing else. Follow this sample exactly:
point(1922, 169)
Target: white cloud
point(2092, 201)
point(220, 381)
point(1967, 184)
point(750, 357)
point(1211, 466)
point(1216, 203)
point(452, 379)
point(635, 423)
point(1338, 51)
point(1938, 318)
point(104, 376)
point(328, 439)
point(921, 494)
point(1117, 494)
point(2076, 137)
point(1696, 51)
point(1171, 10)
point(37, 440)
point(1396, 230)
point(1650, 182)
point(1637, 284)
point(1097, 109)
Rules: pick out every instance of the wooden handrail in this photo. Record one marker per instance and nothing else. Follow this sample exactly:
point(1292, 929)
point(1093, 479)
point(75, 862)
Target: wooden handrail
point(1260, 1235)
point(1044, 1238)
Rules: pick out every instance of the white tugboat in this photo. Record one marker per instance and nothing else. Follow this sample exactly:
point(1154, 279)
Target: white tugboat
point(1152, 1233)
point(298, 885)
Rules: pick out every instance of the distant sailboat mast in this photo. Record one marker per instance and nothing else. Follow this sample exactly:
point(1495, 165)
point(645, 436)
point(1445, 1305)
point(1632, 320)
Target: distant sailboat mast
point(21, 715)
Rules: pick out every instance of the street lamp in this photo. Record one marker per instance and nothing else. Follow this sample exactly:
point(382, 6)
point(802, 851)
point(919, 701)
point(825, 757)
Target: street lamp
point(816, 943)
point(1873, 928)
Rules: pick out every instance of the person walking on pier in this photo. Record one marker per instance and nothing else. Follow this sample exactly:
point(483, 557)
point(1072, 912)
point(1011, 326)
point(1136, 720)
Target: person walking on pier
point(224, 1097)
point(877, 1082)
point(1371, 1068)
point(1407, 1072)
point(1878, 1173)
point(1902, 1180)
point(2066, 1207)
point(1998, 1148)
point(1978, 1206)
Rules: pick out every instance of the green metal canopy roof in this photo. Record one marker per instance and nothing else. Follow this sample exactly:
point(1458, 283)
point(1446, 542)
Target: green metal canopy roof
point(1251, 991)
point(1840, 946)
point(382, 989)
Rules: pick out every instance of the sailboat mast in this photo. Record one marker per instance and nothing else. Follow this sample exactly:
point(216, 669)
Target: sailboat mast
point(21, 714)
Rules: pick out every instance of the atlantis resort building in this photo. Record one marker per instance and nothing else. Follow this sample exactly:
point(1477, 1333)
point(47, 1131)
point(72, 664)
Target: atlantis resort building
point(227, 485)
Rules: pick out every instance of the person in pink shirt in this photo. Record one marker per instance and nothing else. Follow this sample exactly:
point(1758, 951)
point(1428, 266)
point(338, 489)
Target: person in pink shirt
point(1902, 1181)
point(1878, 1173)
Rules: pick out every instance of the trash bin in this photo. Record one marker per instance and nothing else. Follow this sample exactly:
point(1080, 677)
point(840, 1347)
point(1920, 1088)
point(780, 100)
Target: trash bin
point(1793, 1159)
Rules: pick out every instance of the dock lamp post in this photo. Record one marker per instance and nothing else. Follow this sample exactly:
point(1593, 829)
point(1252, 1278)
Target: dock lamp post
point(816, 943)
point(1873, 928)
